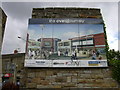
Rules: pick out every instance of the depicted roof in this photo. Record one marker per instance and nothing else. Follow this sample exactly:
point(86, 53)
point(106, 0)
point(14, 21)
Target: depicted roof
point(86, 36)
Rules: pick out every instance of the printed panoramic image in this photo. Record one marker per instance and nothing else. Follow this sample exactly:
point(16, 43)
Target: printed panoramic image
point(66, 42)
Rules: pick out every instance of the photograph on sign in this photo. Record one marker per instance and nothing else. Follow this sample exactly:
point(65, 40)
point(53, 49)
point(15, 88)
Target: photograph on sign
point(70, 40)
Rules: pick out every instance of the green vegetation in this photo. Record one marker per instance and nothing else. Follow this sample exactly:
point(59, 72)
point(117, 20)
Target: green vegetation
point(114, 61)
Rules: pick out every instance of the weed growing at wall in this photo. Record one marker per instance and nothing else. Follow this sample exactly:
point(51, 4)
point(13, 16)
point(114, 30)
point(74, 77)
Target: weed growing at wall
point(114, 61)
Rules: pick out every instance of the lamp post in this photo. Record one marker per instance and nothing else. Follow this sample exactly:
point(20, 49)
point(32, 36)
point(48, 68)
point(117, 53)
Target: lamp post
point(53, 38)
point(42, 27)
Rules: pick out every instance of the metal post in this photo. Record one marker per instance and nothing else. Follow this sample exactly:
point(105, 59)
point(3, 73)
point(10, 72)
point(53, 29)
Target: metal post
point(14, 73)
point(52, 38)
point(42, 26)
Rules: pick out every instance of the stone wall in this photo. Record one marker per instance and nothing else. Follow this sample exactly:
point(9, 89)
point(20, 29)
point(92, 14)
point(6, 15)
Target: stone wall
point(66, 13)
point(70, 78)
point(17, 61)
point(3, 18)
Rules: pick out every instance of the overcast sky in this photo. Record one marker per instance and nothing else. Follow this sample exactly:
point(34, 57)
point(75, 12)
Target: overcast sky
point(18, 14)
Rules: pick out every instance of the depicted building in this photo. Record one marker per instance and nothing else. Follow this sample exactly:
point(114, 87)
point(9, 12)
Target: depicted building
point(89, 42)
point(33, 45)
point(64, 46)
point(83, 44)
point(49, 44)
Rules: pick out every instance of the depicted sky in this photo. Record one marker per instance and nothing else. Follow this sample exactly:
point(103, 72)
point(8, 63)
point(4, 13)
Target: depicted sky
point(18, 14)
point(63, 31)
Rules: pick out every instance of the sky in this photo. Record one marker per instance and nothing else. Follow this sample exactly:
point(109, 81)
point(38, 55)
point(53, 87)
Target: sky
point(18, 14)
point(63, 31)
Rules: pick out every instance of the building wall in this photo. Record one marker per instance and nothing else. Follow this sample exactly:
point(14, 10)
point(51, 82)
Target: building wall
point(63, 48)
point(52, 44)
point(64, 78)
point(68, 78)
point(14, 64)
point(3, 18)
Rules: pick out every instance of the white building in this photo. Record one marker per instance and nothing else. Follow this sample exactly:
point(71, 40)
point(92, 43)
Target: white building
point(64, 46)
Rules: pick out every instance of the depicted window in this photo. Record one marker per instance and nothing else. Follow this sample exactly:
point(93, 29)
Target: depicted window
point(47, 43)
point(90, 42)
point(66, 44)
point(60, 44)
point(87, 42)
point(75, 43)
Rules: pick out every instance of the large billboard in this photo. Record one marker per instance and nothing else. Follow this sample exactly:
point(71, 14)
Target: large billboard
point(66, 43)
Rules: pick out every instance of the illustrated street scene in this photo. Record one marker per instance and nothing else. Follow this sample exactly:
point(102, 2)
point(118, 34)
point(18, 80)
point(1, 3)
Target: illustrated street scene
point(66, 42)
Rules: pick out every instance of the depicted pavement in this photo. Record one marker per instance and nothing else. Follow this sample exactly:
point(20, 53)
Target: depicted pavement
point(63, 57)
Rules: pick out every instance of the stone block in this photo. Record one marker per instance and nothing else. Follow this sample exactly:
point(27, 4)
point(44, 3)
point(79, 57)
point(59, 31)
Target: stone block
point(52, 79)
point(68, 79)
point(36, 80)
point(96, 85)
point(87, 85)
point(39, 86)
point(44, 82)
point(49, 73)
point(96, 71)
point(43, 87)
point(59, 74)
point(82, 81)
point(80, 71)
point(56, 86)
point(112, 84)
point(90, 81)
point(74, 80)
point(60, 79)
point(98, 76)
point(40, 74)
point(67, 74)
point(70, 85)
point(48, 77)
point(31, 75)
point(54, 76)
point(105, 85)
point(87, 71)
point(99, 81)
point(85, 76)
point(80, 85)
point(29, 80)
point(31, 85)
point(92, 76)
